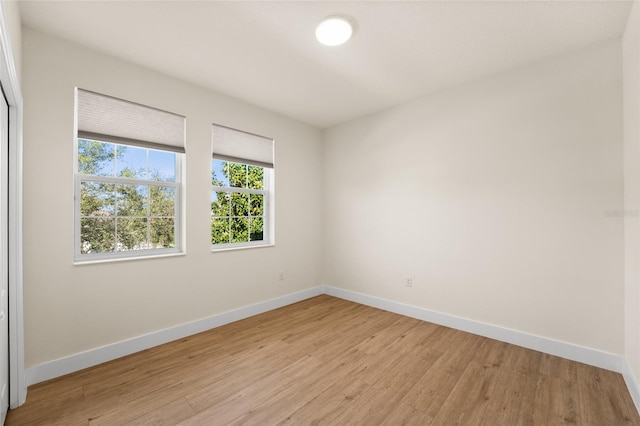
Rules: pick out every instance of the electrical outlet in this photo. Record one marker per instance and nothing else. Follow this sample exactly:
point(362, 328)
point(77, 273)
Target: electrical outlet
point(281, 276)
point(408, 282)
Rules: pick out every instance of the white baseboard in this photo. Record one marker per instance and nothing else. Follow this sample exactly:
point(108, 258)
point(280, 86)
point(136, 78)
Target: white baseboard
point(570, 351)
point(66, 365)
point(632, 384)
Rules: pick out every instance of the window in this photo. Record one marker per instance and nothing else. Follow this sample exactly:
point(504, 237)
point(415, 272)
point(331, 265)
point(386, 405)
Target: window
point(127, 190)
point(242, 189)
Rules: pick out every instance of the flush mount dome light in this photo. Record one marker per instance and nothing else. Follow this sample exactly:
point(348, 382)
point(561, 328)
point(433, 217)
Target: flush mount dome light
point(334, 31)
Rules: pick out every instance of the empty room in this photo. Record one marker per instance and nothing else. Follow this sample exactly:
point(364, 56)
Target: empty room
point(320, 212)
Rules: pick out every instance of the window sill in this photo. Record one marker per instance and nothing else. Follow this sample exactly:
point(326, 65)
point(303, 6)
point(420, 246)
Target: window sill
point(240, 247)
point(125, 259)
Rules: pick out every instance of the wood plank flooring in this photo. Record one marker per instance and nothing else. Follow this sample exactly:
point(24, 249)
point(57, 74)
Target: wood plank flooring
point(332, 362)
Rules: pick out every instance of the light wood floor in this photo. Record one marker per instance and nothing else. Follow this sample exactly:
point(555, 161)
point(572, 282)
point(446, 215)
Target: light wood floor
point(329, 361)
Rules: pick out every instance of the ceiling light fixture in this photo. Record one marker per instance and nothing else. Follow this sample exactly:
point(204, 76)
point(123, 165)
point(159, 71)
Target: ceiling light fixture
point(334, 31)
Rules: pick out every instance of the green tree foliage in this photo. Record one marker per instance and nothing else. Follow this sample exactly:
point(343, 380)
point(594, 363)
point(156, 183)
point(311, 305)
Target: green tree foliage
point(237, 217)
point(162, 210)
point(119, 216)
point(94, 157)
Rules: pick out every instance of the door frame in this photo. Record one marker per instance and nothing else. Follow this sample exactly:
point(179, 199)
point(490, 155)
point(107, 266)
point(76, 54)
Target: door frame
point(11, 85)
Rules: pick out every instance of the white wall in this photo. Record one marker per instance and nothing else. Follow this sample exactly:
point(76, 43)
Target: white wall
point(631, 99)
point(492, 196)
point(70, 309)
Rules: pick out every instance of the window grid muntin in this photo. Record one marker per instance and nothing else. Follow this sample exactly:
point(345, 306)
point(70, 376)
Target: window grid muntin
point(115, 216)
point(175, 184)
point(263, 216)
point(266, 209)
point(148, 151)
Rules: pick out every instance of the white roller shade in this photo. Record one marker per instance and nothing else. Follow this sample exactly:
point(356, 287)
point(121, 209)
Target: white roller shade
point(115, 120)
point(242, 147)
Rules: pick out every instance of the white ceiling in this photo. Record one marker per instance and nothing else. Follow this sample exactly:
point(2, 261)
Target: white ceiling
point(265, 52)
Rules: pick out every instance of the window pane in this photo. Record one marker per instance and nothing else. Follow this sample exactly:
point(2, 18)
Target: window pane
point(162, 166)
point(255, 177)
point(97, 199)
point(256, 229)
point(132, 234)
point(96, 158)
point(132, 200)
point(162, 201)
point(220, 204)
point(237, 217)
point(237, 174)
point(162, 233)
point(219, 175)
point(97, 235)
point(239, 204)
point(220, 231)
point(239, 229)
point(131, 162)
point(256, 206)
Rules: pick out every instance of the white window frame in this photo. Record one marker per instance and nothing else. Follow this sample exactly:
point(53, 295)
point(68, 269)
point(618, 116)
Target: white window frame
point(80, 258)
point(107, 119)
point(267, 195)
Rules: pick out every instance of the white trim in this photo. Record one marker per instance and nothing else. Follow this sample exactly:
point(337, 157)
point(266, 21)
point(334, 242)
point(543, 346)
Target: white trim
point(570, 351)
point(267, 211)
point(127, 259)
point(11, 85)
point(237, 190)
point(177, 186)
point(239, 246)
point(632, 384)
point(66, 365)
